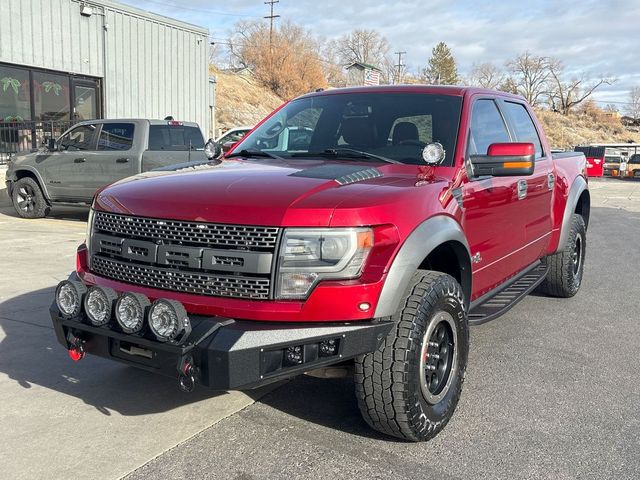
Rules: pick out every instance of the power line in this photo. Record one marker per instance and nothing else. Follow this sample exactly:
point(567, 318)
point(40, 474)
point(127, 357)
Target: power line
point(271, 3)
point(400, 65)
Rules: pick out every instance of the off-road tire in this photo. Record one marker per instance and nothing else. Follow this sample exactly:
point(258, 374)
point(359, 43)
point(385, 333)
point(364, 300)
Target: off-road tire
point(28, 200)
point(565, 276)
point(390, 382)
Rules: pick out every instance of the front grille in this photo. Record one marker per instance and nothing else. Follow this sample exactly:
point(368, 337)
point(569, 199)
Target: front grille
point(210, 234)
point(182, 281)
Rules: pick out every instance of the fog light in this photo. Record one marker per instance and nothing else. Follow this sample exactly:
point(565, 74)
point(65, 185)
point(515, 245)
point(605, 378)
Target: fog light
point(130, 311)
point(293, 356)
point(168, 321)
point(328, 348)
point(98, 305)
point(69, 296)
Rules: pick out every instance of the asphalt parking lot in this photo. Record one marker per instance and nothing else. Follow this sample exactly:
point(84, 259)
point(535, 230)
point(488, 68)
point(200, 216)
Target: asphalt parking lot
point(552, 388)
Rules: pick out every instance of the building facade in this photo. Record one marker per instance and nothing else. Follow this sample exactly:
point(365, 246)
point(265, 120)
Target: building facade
point(69, 60)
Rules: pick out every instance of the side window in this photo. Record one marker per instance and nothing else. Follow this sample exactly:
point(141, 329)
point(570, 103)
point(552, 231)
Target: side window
point(523, 126)
point(116, 136)
point(175, 138)
point(80, 138)
point(487, 127)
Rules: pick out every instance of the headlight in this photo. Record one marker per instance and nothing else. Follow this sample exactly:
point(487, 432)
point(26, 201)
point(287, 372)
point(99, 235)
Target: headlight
point(310, 255)
point(168, 321)
point(98, 305)
point(130, 311)
point(69, 296)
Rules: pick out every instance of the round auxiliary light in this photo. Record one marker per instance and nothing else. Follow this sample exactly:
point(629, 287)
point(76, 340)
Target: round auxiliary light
point(130, 311)
point(98, 305)
point(433, 154)
point(168, 321)
point(69, 296)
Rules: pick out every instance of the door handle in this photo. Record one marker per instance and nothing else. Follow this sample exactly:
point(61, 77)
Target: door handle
point(79, 160)
point(122, 160)
point(522, 189)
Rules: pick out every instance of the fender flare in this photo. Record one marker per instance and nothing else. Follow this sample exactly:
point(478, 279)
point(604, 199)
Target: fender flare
point(579, 186)
point(430, 234)
point(30, 169)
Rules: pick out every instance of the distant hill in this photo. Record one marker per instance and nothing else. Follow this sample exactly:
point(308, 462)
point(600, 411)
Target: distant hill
point(566, 131)
point(241, 100)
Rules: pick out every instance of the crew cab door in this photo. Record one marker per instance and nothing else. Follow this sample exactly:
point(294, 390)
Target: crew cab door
point(537, 197)
point(493, 214)
point(115, 157)
point(65, 170)
point(173, 142)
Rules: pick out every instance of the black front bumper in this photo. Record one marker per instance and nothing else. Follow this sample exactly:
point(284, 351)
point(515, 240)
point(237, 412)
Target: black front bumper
point(228, 354)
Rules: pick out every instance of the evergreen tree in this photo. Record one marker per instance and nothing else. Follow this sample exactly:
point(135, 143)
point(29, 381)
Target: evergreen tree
point(441, 68)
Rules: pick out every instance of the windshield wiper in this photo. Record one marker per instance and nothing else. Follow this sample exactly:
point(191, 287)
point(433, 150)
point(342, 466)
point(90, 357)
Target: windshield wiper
point(352, 152)
point(253, 154)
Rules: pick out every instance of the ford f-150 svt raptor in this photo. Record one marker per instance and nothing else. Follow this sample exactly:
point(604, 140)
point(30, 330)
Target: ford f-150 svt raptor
point(403, 215)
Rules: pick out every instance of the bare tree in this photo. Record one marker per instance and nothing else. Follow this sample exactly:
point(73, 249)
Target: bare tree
point(564, 95)
point(486, 75)
point(531, 75)
point(633, 109)
point(286, 61)
point(365, 46)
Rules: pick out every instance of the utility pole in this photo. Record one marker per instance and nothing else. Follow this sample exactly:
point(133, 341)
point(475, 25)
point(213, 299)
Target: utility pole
point(400, 65)
point(271, 17)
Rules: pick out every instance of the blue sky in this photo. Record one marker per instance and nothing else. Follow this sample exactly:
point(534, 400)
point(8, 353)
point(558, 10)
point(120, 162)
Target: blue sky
point(592, 37)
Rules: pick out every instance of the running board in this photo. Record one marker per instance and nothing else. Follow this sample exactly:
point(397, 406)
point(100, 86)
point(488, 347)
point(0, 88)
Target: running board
point(499, 301)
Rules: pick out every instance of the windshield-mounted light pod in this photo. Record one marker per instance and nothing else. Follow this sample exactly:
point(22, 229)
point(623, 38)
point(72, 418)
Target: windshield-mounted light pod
point(308, 255)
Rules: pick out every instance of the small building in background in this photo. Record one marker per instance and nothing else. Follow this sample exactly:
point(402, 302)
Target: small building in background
point(62, 61)
point(359, 74)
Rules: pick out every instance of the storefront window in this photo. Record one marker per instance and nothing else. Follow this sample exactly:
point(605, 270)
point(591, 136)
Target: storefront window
point(15, 105)
point(51, 96)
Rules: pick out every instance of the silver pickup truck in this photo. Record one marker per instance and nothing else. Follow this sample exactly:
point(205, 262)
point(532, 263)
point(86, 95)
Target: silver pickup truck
point(96, 153)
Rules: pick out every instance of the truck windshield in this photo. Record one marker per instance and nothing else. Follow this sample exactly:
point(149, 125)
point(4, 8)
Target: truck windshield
point(394, 126)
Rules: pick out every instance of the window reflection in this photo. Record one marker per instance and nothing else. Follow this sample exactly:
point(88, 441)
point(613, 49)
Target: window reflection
point(50, 96)
point(15, 105)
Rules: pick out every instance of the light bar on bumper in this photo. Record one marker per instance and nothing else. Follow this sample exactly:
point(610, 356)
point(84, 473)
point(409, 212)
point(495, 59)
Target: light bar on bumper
point(309, 255)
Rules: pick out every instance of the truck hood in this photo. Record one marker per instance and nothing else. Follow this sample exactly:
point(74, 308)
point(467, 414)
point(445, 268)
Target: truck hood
point(266, 192)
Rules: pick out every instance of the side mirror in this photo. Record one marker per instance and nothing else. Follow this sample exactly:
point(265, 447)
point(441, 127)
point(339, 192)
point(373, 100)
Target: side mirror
point(505, 160)
point(51, 144)
point(212, 149)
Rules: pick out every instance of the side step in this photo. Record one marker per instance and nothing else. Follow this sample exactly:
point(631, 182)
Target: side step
point(499, 301)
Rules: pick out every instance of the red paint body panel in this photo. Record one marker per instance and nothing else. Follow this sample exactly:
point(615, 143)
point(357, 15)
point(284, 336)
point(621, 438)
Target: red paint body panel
point(508, 233)
point(511, 149)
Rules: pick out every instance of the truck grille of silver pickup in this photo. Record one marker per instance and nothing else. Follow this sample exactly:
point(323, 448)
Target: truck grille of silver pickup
point(211, 234)
point(234, 261)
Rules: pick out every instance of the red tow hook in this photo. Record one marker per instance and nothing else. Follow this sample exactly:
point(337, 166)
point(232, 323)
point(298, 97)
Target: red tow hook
point(76, 351)
point(188, 375)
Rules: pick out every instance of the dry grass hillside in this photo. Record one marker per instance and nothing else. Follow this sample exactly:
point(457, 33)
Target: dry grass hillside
point(241, 100)
point(566, 131)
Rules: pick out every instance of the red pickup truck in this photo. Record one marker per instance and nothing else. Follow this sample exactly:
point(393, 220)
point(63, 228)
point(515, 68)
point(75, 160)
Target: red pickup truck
point(357, 229)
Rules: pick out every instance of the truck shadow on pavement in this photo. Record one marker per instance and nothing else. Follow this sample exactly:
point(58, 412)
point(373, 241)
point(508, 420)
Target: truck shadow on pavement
point(31, 356)
point(329, 403)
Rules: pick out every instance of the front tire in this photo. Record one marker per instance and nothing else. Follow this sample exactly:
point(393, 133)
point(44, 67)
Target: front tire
point(28, 200)
point(566, 267)
point(410, 386)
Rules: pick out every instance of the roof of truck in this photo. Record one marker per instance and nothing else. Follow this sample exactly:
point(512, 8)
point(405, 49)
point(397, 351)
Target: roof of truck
point(456, 90)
